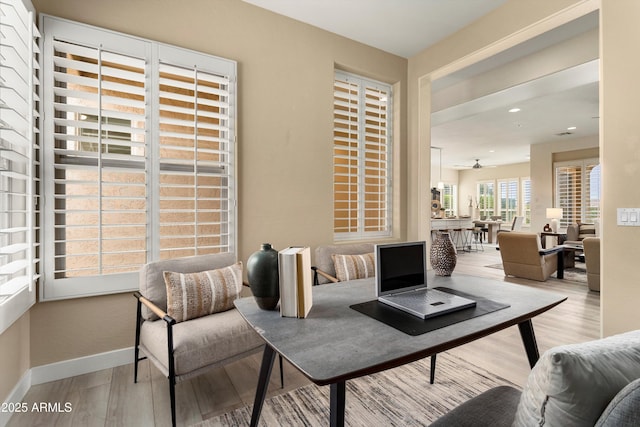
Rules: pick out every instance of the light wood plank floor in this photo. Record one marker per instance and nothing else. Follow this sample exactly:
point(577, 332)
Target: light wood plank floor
point(110, 398)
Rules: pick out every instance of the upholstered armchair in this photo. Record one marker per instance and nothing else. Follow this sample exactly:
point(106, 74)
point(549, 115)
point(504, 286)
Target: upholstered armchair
point(186, 322)
point(516, 224)
point(596, 383)
point(592, 262)
point(577, 232)
point(523, 256)
point(324, 270)
point(336, 263)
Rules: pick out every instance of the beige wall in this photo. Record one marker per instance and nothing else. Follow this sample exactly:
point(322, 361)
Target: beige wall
point(285, 113)
point(542, 158)
point(14, 355)
point(496, 31)
point(284, 142)
point(620, 157)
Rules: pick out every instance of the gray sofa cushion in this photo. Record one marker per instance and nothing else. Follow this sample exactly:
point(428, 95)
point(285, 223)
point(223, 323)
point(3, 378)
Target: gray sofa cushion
point(624, 409)
point(493, 408)
point(200, 343)
point(571, 385)
point(152, 285)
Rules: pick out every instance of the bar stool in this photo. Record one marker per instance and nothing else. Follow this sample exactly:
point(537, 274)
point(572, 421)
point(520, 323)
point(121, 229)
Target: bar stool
point(475, 240)
point(459, 238)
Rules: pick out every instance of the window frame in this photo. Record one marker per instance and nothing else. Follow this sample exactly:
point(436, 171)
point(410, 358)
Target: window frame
point(361, 210)
point(154, 54)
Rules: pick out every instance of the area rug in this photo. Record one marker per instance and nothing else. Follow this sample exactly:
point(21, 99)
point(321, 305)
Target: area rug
point(572, 274)
point(397, 397)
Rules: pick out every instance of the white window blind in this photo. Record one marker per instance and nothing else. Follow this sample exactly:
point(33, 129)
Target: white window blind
point(362, 158)
point(194, 162)
point(19, 153)
point(139, 158)
point(450, 200)
point(486, 198)
point(508, 198)
point(577, 191)
point(525, 191)
point(98, 177)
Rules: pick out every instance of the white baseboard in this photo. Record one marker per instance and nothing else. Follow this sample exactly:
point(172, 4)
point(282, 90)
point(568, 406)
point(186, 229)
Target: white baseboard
point(81, 365)
point(68, 368)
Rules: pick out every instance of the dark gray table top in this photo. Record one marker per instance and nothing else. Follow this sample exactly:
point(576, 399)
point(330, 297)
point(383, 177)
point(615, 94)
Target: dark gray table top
point(336, 343)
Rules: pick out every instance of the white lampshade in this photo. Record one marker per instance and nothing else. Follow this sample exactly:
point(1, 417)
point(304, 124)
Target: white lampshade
point(554, 214)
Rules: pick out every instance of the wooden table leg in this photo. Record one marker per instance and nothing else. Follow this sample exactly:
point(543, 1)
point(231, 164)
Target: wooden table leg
point(263, 383)
point(529, 341)
point(337, 405)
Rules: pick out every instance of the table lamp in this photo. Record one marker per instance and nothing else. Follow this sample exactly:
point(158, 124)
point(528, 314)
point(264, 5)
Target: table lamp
point(554, 214)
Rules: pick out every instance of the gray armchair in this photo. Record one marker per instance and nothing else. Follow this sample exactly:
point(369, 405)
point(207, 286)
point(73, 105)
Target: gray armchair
point(184, 349)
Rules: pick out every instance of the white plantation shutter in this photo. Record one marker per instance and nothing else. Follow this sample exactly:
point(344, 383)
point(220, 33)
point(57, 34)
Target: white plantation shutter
point(19, 153)
point(525, 184)
point(99, 161)
point(362, 157)
point(577, 185)
point(449, 199)
point(508, 198)
point(486, 198)
point(195, 193)
point(138, 160)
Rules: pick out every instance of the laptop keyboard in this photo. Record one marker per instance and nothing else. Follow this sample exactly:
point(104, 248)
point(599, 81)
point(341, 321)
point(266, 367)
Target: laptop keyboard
point(421, 298)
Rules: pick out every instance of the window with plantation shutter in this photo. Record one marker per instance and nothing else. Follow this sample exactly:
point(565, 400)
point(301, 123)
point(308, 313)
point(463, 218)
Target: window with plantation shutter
point(450, 199)
point(577, 191)
point(486, 198)
point(19, 154)
point(361, 158)
point(508, 198)
point(194, 162)
point(138, 159)
point(525, 191)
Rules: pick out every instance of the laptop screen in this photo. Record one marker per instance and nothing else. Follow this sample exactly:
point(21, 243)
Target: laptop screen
point(400, 266)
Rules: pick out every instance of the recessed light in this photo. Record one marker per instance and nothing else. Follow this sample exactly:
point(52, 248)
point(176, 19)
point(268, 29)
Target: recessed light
point(514, 110)
point(572, 128)
point(492, 151)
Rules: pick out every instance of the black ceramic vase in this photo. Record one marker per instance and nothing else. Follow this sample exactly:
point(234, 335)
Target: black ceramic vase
point(262, 272)
point(443, 255)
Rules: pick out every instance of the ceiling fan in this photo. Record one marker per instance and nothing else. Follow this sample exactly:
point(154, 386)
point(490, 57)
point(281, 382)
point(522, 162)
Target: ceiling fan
point(477, 165)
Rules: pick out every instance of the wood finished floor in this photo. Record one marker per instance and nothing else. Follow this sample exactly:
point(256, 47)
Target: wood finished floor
point(110, 398)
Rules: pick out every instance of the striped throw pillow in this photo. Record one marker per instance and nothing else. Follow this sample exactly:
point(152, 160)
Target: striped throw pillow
point(351, 267)
point(199, 294)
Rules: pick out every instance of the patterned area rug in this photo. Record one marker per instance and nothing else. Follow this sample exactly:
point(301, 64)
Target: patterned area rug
point(572, 274)
point(397, 397)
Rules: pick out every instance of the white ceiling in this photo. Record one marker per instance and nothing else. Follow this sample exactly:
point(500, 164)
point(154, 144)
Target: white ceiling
point(401, 27)
point(480, 129)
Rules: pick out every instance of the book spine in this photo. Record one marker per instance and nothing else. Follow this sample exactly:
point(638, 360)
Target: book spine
point(287, 270)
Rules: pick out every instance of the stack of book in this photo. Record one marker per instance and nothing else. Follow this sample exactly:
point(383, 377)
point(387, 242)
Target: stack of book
point(294, 270)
